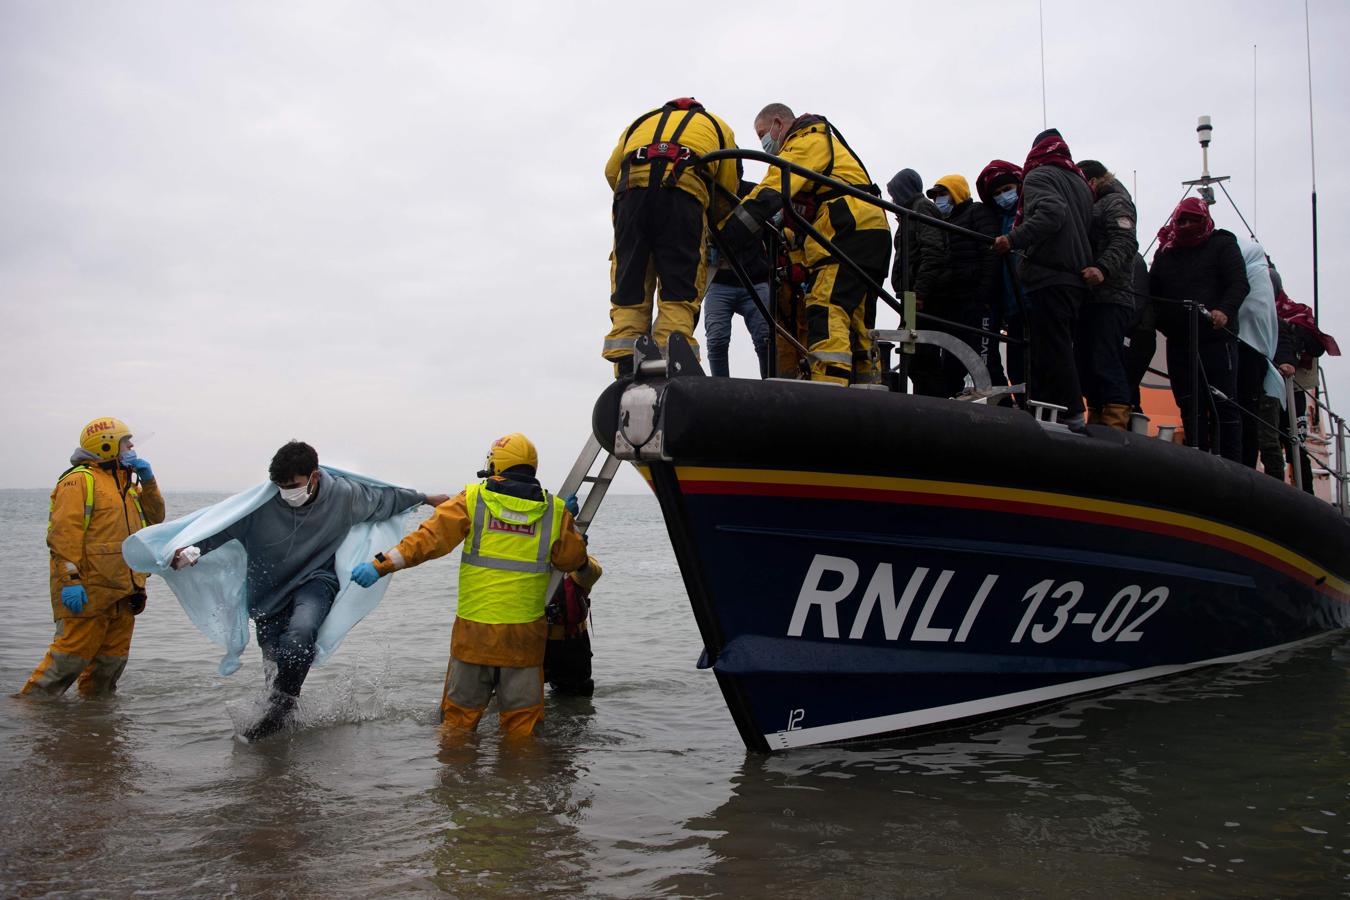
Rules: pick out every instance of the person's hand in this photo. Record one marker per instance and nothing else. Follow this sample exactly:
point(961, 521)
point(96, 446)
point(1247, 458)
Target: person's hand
point(142, 469)
point(1093, 276)
point(572, 506)
point(1218, 318)
point(1286, 370)
point(1002, 245)
point(74, 598)
point(184, 557)
point(436, 499)
point(365, 575)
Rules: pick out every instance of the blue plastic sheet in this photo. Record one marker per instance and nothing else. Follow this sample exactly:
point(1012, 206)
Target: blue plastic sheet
point(212, 593)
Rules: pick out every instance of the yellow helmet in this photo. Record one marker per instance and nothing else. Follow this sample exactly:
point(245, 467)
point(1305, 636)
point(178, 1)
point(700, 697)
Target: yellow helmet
point(102, 437)
point(514, 449)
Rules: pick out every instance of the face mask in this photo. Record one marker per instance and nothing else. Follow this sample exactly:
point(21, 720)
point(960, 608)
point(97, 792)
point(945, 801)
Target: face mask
point(127, 457)
point(1006, 199)
point(295, 496)
point(944, 205)
point(768, 143)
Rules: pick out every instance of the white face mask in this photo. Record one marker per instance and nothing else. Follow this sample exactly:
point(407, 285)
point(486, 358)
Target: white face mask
point(769, 144)
point(295, 496)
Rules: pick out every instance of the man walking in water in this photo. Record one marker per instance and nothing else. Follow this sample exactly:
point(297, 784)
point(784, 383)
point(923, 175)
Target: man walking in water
point(291, 542)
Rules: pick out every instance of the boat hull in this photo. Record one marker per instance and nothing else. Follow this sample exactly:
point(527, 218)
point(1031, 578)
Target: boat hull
point(861, 563)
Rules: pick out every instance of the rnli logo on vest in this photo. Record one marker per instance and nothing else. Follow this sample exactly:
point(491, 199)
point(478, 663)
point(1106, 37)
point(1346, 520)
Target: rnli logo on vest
point(496, 524)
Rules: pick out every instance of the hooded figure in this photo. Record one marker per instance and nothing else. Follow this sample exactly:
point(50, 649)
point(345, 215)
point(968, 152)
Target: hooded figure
point(923, 243)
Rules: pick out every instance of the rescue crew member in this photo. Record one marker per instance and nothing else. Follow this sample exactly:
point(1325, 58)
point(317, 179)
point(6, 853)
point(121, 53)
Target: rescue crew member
point(658, 213)
point(291, 542)
point(567, 659)
point(840, 306)
point(106, 495)
point(516, 534)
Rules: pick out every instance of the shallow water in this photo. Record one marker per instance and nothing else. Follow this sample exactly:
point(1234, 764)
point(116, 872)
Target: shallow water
point(1231, 781)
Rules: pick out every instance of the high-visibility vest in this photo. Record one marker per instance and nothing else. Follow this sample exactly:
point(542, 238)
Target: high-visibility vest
point(132, 490)
point(504, 569)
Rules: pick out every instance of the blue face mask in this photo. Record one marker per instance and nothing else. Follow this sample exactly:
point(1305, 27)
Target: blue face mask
point(769, 144)
point(944, 204)
point(1006, 199)
point(127, 457)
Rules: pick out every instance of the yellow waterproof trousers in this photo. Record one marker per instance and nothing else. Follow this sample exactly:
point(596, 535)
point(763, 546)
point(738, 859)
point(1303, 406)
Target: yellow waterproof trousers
point(469, 687)
point(836, 324)
point(93, 649)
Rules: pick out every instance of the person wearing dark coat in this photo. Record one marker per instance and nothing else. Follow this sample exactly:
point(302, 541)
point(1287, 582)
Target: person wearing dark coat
point(1106, 318)
point(1052, 234)
point(1204, 265)
point(906, 189)
point(998, 186)
point(968, 286)
point(1142, 342)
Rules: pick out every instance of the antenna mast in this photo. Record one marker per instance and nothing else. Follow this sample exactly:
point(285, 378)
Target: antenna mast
point(1045, 119)
point(1312, 154)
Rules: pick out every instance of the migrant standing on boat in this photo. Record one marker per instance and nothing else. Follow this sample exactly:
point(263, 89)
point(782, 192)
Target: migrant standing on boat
point(1110, 309)
point(1052, 231)
point(291, 542)
point(999, 185)
point(967, 285)
point(840, 306)
point(517, 534)
point(106, 495)
point(1258, 329)
point(1197, 262)
point(658, 212)
point(727, 298)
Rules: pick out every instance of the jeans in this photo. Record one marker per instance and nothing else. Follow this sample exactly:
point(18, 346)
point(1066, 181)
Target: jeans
point(719, 304)
point(287, 637)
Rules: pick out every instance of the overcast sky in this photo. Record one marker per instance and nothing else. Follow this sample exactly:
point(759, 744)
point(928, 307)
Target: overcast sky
point(383, 228)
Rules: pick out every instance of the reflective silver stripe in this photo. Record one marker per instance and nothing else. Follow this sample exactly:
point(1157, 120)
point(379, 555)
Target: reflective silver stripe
point(397, 559)
point(620, 343)
point(510, 565)
point(842, 358)
point(472, 555)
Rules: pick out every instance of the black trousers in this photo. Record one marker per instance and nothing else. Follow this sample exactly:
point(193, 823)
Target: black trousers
point(1138, 357)
point(1251, 377)
point(567, 665)
point(1053, 372)
point(1099, 345)
point(1220, 421)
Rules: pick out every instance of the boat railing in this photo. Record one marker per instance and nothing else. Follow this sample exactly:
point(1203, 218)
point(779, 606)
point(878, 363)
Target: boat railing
point(910, 316)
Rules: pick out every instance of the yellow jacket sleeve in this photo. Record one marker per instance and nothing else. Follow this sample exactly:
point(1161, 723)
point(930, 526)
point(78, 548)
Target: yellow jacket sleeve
point(568, 552)
point(587, 575)
point(152, 503)
point(615, 163)
point(438, 535)
point(65, 531)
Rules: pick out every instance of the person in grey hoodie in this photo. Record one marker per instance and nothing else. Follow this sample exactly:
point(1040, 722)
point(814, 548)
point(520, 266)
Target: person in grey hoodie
point(1051, 232)
point(291, 542)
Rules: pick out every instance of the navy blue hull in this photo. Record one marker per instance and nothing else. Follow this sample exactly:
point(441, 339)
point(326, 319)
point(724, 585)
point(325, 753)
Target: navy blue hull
point(844, 601)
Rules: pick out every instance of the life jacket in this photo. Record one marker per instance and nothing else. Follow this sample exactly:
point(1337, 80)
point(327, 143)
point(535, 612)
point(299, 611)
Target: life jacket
point(667, 152)
point(504, 569)
point(132, 491)
point(568, 608)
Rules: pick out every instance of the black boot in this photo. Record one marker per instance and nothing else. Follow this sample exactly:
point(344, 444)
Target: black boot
point(279, 709)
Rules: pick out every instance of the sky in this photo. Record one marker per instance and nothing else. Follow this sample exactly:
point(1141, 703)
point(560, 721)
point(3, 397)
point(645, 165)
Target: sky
point(383, 228)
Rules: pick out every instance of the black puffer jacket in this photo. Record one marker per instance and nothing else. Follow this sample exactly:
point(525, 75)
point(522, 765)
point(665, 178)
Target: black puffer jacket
point(969, 268)
point(1114, 244)
point(926, 245)
point(1212, 274)
point(1056, 214)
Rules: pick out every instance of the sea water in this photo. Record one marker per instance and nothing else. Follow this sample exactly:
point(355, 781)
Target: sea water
point(1229, 781)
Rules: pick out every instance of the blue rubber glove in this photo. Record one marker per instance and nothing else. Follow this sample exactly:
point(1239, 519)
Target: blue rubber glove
point(74, 598)
point(365, 575)
point(572, 506)
point(142, 468)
